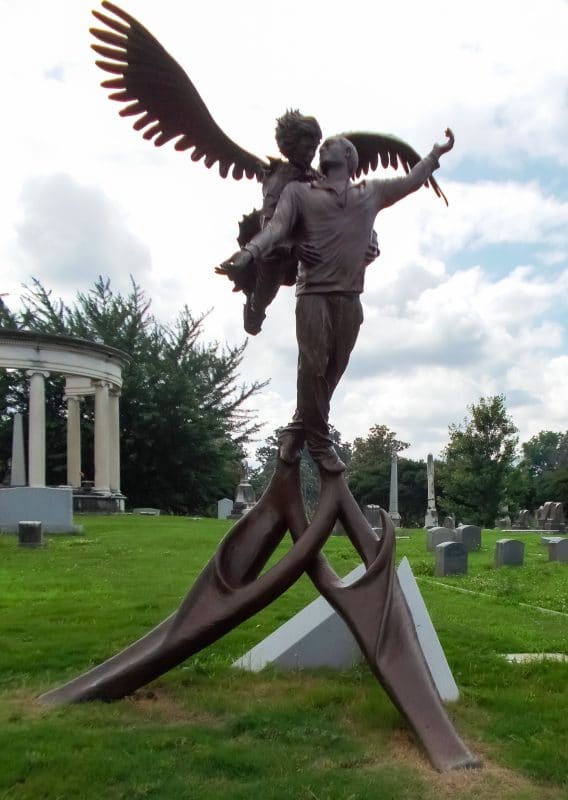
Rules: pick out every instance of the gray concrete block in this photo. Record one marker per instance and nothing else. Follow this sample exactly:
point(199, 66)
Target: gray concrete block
point(52, 507)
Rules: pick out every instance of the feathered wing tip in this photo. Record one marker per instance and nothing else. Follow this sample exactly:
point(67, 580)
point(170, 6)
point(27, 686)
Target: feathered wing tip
point(389, 151)
point(160, 94)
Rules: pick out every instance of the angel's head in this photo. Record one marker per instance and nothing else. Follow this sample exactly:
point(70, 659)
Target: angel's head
point(338, 150)
point(298, 137)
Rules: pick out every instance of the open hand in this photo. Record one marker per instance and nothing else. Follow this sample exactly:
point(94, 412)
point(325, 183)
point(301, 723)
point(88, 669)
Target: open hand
point(235, 268)
point(447, 146)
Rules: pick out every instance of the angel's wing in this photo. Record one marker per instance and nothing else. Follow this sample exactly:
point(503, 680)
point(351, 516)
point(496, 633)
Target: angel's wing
point(391, 151)
point(155, 86)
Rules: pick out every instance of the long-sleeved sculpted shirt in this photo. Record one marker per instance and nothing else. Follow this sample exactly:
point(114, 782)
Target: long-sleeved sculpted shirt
point(332, 230)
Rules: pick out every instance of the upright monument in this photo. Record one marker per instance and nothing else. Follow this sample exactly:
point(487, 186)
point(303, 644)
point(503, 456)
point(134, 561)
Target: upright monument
point(327, 224)
point(431, 518)
point(393, 496)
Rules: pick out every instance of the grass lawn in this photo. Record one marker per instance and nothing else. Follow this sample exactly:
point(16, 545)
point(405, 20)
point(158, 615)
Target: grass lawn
point(208, 731)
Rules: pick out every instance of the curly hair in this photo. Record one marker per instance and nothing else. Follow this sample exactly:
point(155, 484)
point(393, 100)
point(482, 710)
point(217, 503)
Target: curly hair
point(291, 126)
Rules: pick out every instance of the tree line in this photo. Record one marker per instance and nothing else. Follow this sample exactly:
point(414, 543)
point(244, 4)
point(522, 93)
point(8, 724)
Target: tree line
point(481, 470)
point(184, 423)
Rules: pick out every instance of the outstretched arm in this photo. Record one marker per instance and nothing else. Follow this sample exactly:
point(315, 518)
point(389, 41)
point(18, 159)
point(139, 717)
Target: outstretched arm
point(277, 230)
point(390, 191)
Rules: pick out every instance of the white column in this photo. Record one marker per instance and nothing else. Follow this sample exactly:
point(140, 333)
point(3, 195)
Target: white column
point(102, 460)
point(74, 441)
point(114, 439)
point(36, 433)
point(18, 470)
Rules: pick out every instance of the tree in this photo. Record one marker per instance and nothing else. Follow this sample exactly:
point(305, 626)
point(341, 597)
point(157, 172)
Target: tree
point(370, 470)
point(183, 424)
point(478, 462)
point(542, 473)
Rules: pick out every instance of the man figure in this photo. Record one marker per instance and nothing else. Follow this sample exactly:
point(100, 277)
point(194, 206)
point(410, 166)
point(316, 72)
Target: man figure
point(330, 221)
point(297, 137)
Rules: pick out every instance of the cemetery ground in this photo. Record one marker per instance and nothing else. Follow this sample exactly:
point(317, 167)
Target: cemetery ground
point(206, 730)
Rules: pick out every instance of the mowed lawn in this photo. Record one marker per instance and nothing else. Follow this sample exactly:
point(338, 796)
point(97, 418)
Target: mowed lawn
point(206, 730)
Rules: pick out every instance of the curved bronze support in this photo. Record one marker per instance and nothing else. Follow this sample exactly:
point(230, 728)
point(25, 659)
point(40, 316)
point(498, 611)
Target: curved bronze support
point(231, 589)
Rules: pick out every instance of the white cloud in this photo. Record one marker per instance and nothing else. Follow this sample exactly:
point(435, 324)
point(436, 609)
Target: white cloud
point(435, 337)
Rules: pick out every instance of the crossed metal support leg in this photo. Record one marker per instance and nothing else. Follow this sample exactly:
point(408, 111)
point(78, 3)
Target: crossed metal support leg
point(231, 588)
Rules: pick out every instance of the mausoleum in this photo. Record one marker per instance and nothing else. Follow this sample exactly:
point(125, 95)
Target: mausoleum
point(89, 368)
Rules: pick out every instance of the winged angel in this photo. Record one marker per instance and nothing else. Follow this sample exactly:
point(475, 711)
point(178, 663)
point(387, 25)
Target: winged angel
point(233, 585)
point(169, 108)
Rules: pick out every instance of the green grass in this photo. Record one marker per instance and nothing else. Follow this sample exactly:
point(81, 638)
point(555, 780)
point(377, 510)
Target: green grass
point(208, 731)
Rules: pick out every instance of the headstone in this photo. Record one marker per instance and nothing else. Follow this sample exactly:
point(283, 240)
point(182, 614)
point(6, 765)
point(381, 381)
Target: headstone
point(30, 534)
point(372, 514)
point(338, 529)
point(470, 536)
point(546, 540)
point(245, 498)
point(451, 559)
point(558, 551)
point(18, 465)
point(393, 497)
point(224, 507)
point(525, 520)
point(147, 512)
point(550, 517)
point(431, 516)
point(436, 536)
point(318, 637)
point(450, 522)
point(509, 553)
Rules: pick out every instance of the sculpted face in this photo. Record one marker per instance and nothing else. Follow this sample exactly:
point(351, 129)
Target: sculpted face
point(332, 151)
point(304, 151)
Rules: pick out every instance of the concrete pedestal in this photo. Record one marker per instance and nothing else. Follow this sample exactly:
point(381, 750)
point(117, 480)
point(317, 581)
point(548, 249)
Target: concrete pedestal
point(52, 507)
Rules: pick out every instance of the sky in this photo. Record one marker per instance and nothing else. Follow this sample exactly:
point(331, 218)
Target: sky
point(464, 301)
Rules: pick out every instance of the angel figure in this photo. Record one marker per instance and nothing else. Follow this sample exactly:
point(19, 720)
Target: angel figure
point(168, 106)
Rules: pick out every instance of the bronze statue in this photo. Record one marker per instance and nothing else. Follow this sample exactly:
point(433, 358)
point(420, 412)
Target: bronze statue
point(168, 108)
point(329, 221)
point(325, 222)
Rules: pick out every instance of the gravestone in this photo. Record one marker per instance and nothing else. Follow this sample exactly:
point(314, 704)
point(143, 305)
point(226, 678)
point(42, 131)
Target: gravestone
point(525, 520)
point(550, 517)
point(146, 512)
point(546, 540)
point(451, 559)
point(372, 514)
point(509, 553)
point(450, 522)
point(558, 551)
point(224, 508)
point(338, 529)
point(393, 496)
point(435, 536)
point(470, 536)
point(30, 534)
point(245, 498)
point(431, 516)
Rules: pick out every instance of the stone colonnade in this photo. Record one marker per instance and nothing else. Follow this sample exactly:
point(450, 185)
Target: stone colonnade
point(89, 369)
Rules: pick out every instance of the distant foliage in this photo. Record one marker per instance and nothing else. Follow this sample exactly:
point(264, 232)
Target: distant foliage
point(267, 454)
point(479, 462)
point(183, 425)
point(542, 472)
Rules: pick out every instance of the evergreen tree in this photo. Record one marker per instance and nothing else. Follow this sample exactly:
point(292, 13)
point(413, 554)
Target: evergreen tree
point(183, 422)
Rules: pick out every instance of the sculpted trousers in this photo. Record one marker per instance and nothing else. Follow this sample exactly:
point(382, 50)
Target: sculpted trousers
point(327, 326)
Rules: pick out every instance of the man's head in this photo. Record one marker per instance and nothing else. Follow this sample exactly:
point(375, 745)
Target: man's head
point(337, 151)
point(298, 137)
